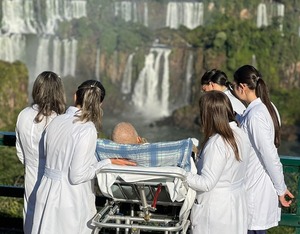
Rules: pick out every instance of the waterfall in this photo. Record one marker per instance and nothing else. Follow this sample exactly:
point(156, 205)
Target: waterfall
point(69, 53)
point(151, 91)
point(165, 85)
point(78, 9)
point(129, 11)
point(189, 14)
point(42, 57)
point(188, 79)
point(146, 14)
point(12, 47)
point(262, 19)
point(280, 13)
point(27, 21)
point(18, 16)
point(57, 56)
point(97, 70)
point(127, 76)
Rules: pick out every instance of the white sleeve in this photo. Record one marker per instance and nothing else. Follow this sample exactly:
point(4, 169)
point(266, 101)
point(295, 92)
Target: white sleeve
point(84, 165)
point(214, 161)
point(18, 144)
point(261, 137)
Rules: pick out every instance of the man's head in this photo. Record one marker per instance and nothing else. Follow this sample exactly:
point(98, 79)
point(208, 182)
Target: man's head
point(125, 133)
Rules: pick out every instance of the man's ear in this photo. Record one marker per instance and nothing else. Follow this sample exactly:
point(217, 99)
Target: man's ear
point(139, 140)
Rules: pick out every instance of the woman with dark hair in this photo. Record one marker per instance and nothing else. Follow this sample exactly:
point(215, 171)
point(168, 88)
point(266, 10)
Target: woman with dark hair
point(261, 122)
point(220, 205)
point(217, 80)
point(65, 198)
point(48, 101)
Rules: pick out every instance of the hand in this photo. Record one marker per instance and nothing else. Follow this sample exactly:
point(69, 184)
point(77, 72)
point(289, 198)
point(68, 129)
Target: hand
point(283, 198)
point(122, 162)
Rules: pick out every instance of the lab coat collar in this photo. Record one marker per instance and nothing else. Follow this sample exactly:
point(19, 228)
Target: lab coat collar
point(252, 104)
point(72, 110)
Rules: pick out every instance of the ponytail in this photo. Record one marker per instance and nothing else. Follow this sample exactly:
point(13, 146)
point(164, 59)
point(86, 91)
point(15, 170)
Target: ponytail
point(89, 97)
point(248, 75)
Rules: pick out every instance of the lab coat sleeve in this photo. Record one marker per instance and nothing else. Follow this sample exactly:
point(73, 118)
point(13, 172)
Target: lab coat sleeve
point(263, 142)
point(18, 144)
point(214, 161)
point(84, 165)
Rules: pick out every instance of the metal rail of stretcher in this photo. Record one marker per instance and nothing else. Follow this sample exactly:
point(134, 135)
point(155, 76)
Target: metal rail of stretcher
point(143, 219)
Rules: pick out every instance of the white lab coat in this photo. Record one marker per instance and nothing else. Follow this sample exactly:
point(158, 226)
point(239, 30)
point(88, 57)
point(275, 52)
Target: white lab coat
point(263, 187)
point(65, 198)
point(221, 198)
point(30, 153)
point(237, 106)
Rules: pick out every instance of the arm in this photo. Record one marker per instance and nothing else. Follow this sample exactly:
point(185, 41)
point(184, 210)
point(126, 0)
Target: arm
point(262, 139)
point(84, 165)
point(214, 156)
point(19, 145)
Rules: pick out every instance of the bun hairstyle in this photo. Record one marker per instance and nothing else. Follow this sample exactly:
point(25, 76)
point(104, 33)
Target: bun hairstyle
point(215, 76)
point(89, 96)
point(218, 77)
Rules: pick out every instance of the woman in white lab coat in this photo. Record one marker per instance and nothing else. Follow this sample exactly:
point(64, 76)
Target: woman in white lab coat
point(262, 124)
point(217, 80)
point(220, 205)
point(65, 198)
point(48, 102)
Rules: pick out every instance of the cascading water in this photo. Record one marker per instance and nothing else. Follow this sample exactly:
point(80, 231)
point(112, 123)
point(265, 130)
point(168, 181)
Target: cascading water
point(12, 47)
point(129, 11)
point(57, 54)
point(20, 24)
point(151, 91)
point(127, 76)
point(42, 57)
point(262, 17)
point(18, 17)
point(189, 14)
point(188, 79)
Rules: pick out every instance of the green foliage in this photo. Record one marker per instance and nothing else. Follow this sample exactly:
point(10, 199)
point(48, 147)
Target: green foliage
point(288, 102)
point(12, 173)
point(13, 93)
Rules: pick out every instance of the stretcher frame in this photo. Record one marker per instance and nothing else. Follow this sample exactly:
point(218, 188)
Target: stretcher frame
point(147, 192)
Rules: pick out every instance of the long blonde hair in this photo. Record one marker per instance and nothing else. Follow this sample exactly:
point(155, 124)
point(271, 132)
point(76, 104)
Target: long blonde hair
point(89, 97)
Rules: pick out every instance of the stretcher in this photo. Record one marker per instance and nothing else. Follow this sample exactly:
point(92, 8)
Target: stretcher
point(150, 197)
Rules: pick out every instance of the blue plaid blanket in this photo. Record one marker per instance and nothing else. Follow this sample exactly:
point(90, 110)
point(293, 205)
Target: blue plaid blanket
point(173, 153)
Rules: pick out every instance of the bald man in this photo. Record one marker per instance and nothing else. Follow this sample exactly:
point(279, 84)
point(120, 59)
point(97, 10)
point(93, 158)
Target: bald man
point(125, 133)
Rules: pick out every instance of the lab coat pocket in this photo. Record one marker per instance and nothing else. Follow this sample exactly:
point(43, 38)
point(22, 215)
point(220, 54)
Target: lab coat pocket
point(199, 216)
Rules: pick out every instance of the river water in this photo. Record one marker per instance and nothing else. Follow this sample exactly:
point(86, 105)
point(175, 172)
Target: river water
point(153, 133)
